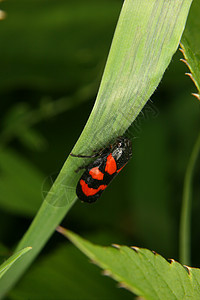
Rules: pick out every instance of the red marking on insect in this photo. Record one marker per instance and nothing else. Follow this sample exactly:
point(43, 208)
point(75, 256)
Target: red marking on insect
point(120, 168)
point(96, 173)
point(111, 166)
point(90, 191)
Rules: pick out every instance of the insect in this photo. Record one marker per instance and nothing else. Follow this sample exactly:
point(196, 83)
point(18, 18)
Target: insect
point(101, 171)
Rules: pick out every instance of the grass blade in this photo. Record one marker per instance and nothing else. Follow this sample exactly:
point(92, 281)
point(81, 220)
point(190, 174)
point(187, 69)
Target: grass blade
point(185, 221)
point(146, 37)
point(190, 45)
point(11, 260)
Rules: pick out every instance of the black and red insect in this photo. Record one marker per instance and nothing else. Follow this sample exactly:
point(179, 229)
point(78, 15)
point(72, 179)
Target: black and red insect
point(101, 172)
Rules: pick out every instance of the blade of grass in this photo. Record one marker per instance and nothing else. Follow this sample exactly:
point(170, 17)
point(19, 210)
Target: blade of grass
point(190, 45)
point(146, 37)
point(12, 260)
point(186, 206)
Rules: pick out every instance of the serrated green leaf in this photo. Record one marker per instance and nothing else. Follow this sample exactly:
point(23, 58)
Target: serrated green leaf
point(65, 274)
point(190, 44)
point(11, 260)
point(143, 272)
point(194, 276)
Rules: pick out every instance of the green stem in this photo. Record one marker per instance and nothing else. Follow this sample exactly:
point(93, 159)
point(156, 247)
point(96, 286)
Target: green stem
point(185, 221)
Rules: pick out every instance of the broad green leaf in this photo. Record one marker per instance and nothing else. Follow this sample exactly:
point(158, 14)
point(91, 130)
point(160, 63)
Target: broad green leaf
point(11, 260)
point(142, 271)
point(65, 274)
point(190, 44)
point(146, 37)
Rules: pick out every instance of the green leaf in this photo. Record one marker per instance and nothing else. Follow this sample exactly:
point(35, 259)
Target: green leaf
point(185, 222)
point(11, 260)
point(66, 274)
point(190, 47)
point(146, 37)
point(142, 271)
point(190, 44)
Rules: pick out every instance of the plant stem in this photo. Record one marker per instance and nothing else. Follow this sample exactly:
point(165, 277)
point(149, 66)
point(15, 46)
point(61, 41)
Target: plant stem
point(185, 221)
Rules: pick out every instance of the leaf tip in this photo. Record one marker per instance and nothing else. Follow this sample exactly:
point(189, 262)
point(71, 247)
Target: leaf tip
point(181, 51)
point(106, 273)
point(190, 75)
point(61, 230)
point(92, 261)
point(171, 260)
point(116, 246)
point(136, 249)
point(196, 95)
point(122, 285)
point(185, 62)
point(187, 269)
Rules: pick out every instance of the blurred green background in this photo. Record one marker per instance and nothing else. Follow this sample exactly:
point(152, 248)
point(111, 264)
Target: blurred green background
point(53, 53)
